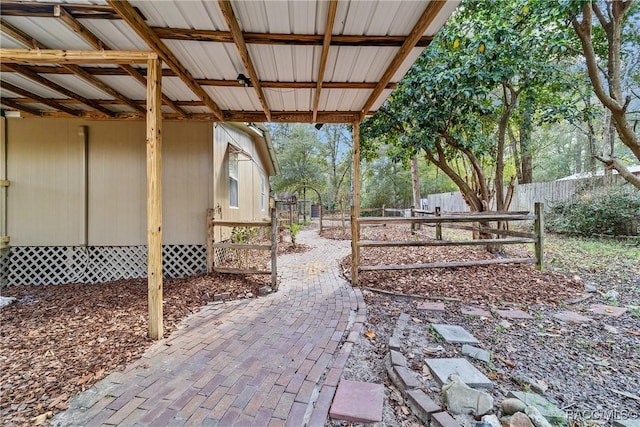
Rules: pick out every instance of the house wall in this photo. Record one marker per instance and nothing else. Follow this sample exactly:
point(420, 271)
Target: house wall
point(78, 186)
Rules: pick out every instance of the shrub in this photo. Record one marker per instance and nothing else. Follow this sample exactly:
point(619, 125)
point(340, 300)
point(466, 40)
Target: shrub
point(294, 229)
point(613, 211)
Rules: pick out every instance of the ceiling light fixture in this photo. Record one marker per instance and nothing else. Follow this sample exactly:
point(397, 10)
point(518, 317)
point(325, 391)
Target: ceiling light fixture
point(243, 80)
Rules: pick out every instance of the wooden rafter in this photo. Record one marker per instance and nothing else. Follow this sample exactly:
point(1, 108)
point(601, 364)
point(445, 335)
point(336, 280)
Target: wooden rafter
point(66, 17)
point(45, 10)
point(189, 34)
point(238, 38)
point(15, 105)
point(40, 99)
point(25, 71)
point(331, 17)
point(137, 23)
point(427, 17)
point(32, 43)
point(100, 71)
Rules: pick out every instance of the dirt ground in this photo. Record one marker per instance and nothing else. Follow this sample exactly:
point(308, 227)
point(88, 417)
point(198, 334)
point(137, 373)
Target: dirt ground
point(590, 370)
point(58, 340)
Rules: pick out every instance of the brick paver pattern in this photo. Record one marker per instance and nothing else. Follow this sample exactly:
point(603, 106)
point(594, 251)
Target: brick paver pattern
point(270, 361)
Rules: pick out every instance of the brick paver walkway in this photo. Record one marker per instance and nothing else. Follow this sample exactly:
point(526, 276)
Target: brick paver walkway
point(270, 361)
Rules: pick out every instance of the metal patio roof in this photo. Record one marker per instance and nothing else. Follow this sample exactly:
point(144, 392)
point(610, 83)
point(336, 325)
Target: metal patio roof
point(304, 60)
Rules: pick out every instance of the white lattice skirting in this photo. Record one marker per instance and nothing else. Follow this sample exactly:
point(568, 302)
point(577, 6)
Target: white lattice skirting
point(47, 265)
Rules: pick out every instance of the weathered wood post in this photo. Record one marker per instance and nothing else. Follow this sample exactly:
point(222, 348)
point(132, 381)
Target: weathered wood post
point(154, 197)
point(413, 224)
point(210, 240)
point(274, 249)
point(383, 210)
point(539, 232)
point(355, 206)
point(438, 225)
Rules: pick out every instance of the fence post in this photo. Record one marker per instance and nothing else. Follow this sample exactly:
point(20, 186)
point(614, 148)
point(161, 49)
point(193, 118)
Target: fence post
point(274, 249)
point(355, 250)
point(438, 225)
point(383, 210)
point(210, 237)
point(413, 224)
point(539, 232)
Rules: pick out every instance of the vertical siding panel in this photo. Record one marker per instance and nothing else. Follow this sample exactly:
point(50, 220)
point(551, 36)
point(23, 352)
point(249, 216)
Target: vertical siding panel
point(45, 169)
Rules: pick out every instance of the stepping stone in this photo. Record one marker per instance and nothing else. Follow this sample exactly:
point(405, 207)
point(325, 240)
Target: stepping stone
point(514, 314)
point(455, 334)
point(609, 310)
point(571, 316)
point(358, 402)
point(475, 311)
point(431, 306)
point(627, 423)
point(550, 411)
point(443, 419)
point(470, 375)
point(476, 353)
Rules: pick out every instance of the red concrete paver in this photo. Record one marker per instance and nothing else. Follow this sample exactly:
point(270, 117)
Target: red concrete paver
point(514, 314)
point(259, 362)
point(431, 306)
point(358, 402)
point(571, 316)
point(475, 311)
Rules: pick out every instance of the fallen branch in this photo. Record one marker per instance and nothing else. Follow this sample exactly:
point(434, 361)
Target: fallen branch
point(400, 294)
point(625, 394)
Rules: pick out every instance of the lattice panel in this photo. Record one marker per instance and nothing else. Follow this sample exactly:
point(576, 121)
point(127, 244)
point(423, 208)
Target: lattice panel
point(4, 267)
point(62, 264)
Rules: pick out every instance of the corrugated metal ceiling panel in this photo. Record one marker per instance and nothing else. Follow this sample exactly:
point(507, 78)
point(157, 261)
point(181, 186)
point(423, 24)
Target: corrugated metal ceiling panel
point(50, 32)
point(286, 63)
point(30, 86)
point(343, 99)
point(115, 33)
point(358, 64)
point(196, 109)
point(7, 42)
point(290, 99)
point(385, 94)
point(200, 14)
point(126, 85)
point(406, 64)
point(175, 89)
point(208, 60)
point(78, 86)
point(231, 98)
point(442, 17)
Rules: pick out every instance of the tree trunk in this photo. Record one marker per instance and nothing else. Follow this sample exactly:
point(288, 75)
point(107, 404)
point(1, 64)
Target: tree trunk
point(415, 181)
point(526, 158)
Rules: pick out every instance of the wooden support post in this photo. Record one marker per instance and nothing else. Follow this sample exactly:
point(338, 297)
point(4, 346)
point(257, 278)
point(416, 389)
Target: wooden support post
point(154, 197)
point(274, 249)
point(383, 211)
point(413, 224)
point(355, 207)
point(438, 225)
point(211, 255)
point(320, 218)
point(539, 232)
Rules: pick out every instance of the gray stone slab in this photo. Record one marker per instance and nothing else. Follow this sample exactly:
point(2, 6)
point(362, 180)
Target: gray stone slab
point(394, 343)
point(514, 314)
point(431, 306)
point(571, 317)
point(609, 310)
point(398, 359)
point(455, 334)
point(476, 353)
point(470, 375)
point(475, 311)
point(627, 423)
point(358, 402)
point(547, 409)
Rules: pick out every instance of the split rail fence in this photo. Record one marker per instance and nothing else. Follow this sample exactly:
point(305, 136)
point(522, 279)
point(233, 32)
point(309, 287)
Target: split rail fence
point(212, 246)
point(481, 220)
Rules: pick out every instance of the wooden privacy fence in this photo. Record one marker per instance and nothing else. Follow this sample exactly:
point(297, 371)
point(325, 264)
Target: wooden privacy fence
point(457, 220)
point(212, 245)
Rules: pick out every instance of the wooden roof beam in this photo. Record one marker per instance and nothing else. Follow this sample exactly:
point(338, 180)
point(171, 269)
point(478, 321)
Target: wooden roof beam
point(45, 10)
point(238, 38)
point(34, 44)
point(11, 103)
point(137, 23)
point(189, 34)
point(61, 12)
point(25, 71)
point(331, 17)
point(427, 17)
point(37, 98)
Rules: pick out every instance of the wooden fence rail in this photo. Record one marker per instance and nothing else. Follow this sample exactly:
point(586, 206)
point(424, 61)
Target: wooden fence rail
point(455, 221)
point(212, 245)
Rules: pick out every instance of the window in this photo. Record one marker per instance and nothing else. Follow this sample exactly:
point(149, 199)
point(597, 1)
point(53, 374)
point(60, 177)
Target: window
point(263, 192)
point(233, 180)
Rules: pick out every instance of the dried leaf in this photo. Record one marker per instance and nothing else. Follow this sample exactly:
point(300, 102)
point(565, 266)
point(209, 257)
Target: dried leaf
point(40, 419)
point(370, 334)
point(405, 410)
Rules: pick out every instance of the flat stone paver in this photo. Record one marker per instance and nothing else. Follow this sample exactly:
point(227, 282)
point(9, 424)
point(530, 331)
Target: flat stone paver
point(475, 311)
point(632, 422)
point(358, 402)
point(441, 369)
point(514, 314)
point(571, 317)
point(476, 353)
point(431, 306)
point(267, 361)
point(609, 310)
point(455, 334)
point(547, 409)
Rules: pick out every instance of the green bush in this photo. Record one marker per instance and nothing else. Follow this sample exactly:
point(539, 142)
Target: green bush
point(612, 211)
